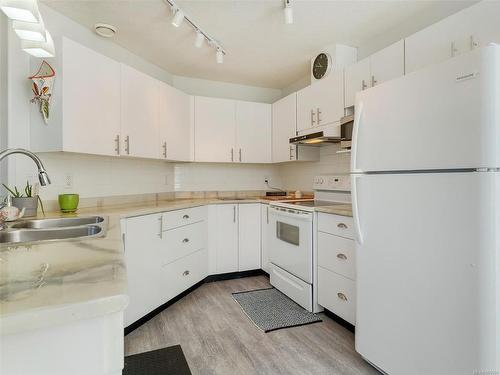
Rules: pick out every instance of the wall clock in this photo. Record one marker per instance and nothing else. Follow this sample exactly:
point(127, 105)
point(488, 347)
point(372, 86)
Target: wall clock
point(321, 65)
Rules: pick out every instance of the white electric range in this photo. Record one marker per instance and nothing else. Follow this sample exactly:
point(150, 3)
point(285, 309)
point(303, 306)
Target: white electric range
point(292, 240)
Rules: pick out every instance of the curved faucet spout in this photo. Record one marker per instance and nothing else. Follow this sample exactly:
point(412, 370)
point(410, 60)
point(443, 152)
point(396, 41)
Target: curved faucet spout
point(43, 177)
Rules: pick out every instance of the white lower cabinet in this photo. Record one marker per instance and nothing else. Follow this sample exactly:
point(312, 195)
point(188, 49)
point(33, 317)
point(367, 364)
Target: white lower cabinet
point(238, 237)
point(337, 266)
point(163, 263)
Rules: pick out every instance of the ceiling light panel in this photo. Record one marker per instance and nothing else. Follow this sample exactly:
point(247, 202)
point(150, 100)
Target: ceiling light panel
point(21, 10)
point(40, 49)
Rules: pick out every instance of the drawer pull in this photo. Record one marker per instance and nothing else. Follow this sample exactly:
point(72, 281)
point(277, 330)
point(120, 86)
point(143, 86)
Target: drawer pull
point(185, 273)
point(185, 217)
point(185, 240)
point(341, 226)
point(342, 296)
point(341, 256)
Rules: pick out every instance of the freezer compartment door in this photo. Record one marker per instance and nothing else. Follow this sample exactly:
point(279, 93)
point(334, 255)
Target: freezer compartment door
point(445, 116)
point(427, 258)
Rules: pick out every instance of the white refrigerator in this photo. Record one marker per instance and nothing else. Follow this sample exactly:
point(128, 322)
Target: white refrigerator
point(426, 202)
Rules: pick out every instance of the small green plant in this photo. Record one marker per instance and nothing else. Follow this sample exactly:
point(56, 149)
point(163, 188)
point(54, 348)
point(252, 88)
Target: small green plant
point(28, 193)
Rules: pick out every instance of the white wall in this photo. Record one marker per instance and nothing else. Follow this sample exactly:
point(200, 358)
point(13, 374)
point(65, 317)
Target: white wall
point(3, 96)
point(300, 175)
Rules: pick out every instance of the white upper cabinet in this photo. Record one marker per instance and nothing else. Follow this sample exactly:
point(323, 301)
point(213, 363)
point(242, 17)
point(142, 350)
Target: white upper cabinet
point(140, 114)
point(253, 132)
point(387, 64)
point(321, 103)
point(380, 67)
point(215, 129)
point(284, 128)
point(232, 131)
point(463, 31)
point(175, 122)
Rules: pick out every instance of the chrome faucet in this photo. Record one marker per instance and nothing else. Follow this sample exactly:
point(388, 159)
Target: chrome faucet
point(43, 177)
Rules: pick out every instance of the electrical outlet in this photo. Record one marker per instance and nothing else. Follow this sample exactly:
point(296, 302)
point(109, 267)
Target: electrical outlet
point(68, 181)
point(266, 180)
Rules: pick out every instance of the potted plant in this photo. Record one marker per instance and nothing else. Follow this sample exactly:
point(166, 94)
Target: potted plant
point(26, 199)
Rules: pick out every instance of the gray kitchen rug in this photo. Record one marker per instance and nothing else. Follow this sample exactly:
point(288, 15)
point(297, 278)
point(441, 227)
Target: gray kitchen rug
point(269, 309)
point(164, 361)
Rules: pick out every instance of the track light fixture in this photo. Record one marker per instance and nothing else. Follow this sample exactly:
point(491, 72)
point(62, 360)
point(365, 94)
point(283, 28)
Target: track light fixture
point(288, 10)
point(201, 36)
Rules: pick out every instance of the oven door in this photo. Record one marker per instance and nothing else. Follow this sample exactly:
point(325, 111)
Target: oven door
point(291, 241)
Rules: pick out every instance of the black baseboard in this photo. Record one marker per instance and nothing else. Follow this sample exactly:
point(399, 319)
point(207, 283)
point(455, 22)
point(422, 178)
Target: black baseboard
point(208, 279)
point(233, 275)
point(340, 321)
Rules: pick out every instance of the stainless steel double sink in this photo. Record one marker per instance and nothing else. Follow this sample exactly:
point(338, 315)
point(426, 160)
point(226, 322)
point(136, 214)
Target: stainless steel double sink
point(36, 230)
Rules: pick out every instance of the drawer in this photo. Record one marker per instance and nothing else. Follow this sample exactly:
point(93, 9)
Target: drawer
point(178, 218)
point(293, 287)
point(337, 254)
point(337, 294)
point(180, 275)
point(336, 224)
point(182, 241)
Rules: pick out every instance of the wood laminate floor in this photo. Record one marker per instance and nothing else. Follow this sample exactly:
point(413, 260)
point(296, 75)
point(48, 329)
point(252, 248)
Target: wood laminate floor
point(218, 338)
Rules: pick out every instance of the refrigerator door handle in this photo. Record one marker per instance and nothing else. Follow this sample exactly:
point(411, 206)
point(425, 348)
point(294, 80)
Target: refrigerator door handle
point(355, 209)
point(358, 117)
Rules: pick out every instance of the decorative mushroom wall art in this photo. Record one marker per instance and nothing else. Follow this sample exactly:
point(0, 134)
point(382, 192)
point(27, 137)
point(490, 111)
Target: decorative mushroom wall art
point(43, 82)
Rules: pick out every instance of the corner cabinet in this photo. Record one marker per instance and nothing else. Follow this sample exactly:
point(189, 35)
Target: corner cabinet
point(231, 131)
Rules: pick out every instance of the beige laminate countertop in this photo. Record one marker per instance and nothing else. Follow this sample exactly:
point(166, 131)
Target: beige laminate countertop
point(56, 282)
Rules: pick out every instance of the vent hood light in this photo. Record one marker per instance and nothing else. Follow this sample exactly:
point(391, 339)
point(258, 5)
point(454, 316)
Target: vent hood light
point(20, 10)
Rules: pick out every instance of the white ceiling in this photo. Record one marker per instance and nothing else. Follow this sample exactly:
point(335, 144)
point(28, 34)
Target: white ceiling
point(261, 49)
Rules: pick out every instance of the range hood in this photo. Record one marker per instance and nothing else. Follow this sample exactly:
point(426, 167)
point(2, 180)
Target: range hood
point(328, 134)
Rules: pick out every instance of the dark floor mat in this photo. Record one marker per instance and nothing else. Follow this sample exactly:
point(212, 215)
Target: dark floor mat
point(166, 361)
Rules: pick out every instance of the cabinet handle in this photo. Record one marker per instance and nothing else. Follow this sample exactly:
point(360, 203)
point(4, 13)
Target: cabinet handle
point(453, 49)
point(318, 119)
point(341, 226)
point(240, 154)
point(374, 81)
point(127, 145)
point(234, 214)
point(185, 240)
point(117, 144)
point(473, 43)
point(165, 149)
point(186, 273)
point(312, 117)
point(232, 154)
point(185, 217)
point(341, 256)
point(160, 219)
point(342, 296)
point(363, 85)
point(267, 214)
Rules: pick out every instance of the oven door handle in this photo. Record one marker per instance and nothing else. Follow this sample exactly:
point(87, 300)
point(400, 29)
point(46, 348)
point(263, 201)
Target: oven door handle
point(302, 216)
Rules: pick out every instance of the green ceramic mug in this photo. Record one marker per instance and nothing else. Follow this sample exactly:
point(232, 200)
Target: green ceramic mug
point(69, 202)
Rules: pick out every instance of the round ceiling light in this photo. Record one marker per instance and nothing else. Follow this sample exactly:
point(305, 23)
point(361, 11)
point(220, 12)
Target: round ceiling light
point(105, 30)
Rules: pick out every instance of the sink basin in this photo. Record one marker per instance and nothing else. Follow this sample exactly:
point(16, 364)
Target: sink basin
point(28, 235)
point(58, 222)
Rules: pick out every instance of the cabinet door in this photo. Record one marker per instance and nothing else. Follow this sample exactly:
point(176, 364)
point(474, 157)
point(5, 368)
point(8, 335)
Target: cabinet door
point(306, 115)
point(357, 77)
point(143, 244)
point(328, 98)
point(265, 240)
point(227, 238)
point(284, 128)
point(215, 129)
point(388, 63)
point(140, 114)
point(249, 236)
point(176, 137)
point(253, 132)
point(91, 105)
